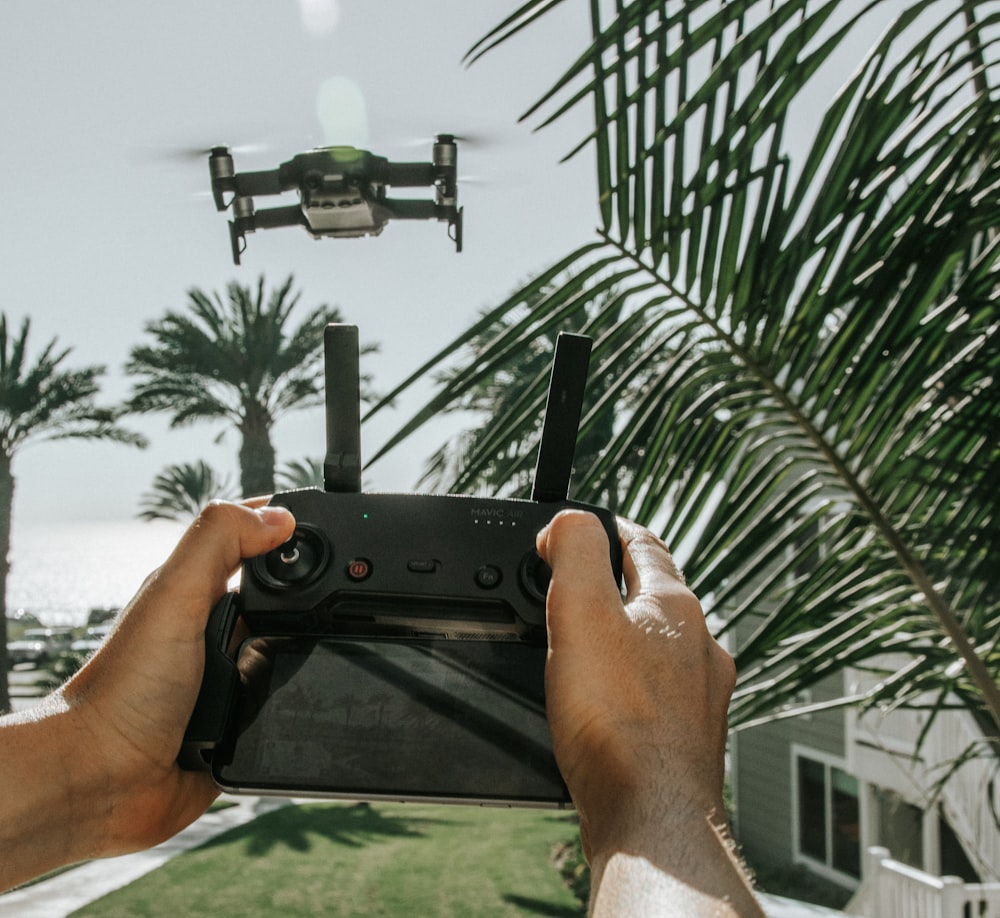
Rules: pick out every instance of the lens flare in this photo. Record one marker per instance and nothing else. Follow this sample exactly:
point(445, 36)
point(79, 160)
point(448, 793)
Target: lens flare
point(340, 107)
point(319, 17)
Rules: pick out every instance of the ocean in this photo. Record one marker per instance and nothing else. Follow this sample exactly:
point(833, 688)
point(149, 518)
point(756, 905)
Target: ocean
point(60, 571)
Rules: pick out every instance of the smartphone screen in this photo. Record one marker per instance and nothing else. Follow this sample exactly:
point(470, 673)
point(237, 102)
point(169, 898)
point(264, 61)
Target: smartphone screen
point(429, 719)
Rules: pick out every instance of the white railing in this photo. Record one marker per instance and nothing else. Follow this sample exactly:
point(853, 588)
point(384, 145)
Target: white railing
point(894, 890)
point(963, 797)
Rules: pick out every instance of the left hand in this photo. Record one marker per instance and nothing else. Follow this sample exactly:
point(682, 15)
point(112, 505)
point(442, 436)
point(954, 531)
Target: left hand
point(131, 702)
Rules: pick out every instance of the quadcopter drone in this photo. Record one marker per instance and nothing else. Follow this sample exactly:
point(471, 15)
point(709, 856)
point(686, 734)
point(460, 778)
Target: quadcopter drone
point(342, 192)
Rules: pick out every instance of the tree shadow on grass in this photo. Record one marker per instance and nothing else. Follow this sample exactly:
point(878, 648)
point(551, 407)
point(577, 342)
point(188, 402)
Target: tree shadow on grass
point(541, 907)
point(296, 827)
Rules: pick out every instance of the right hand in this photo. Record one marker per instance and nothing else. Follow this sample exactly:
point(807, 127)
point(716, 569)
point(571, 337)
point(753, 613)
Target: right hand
point(637, 696)
point(638, 691)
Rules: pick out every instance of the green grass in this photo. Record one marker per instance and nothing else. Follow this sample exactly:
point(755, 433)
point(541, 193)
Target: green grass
point(344, 860)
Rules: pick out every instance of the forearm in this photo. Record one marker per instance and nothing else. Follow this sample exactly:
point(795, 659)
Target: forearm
point(46, 809)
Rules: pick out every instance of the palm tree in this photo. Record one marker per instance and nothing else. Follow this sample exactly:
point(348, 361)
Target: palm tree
point(41, 400)
point(237, 360)
point(180, 492)
point(818, 321)
point(301, 473)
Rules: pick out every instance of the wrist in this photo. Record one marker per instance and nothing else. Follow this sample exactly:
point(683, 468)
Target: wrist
point(640, 797)
point(665, 855)
point(658, 824)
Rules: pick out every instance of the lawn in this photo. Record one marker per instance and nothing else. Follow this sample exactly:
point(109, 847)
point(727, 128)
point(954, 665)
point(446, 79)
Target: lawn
point(345, 860)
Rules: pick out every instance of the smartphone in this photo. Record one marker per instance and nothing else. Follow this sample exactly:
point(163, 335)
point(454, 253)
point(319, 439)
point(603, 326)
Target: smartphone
point(422, 719)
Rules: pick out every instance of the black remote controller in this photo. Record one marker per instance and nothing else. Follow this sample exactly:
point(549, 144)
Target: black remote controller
point(403, 633)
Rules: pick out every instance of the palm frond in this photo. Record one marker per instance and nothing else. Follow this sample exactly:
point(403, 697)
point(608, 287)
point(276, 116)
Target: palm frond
point(41, 400)
point(803, 363)
point(181, 491)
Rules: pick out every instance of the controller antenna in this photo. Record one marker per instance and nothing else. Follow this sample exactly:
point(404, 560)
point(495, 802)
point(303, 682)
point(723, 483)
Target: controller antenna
point(342, 464)
point(563, 409)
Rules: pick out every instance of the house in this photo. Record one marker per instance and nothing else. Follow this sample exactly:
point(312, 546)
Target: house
point(818, 790)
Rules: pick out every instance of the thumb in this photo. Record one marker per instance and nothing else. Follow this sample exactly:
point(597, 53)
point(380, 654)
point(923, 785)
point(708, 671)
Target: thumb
point(582, 589)
point(198, 570)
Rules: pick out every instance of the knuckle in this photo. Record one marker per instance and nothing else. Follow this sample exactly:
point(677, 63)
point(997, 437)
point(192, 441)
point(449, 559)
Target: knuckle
point(219, 513)
point(724, 667)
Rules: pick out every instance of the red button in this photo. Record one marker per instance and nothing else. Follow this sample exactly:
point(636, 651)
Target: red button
point(359, 569)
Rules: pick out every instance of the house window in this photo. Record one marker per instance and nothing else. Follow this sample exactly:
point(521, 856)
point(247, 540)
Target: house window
point(828, 816)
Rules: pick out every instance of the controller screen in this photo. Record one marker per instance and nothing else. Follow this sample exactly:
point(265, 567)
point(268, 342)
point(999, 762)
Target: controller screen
point(432, 718)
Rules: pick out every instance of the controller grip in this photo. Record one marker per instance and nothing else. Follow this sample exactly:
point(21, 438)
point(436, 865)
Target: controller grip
point(207, 726)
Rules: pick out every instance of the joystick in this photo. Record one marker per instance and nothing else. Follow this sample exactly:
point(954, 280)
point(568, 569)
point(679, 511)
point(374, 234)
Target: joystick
point(297, 563)
point(397, 642)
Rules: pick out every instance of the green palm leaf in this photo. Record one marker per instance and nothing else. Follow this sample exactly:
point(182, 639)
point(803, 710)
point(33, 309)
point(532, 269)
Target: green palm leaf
point(181, 491)
point(805, 364)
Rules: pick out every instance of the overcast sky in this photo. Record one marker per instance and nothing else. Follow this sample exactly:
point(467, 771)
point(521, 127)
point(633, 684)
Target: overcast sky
point(103, 226)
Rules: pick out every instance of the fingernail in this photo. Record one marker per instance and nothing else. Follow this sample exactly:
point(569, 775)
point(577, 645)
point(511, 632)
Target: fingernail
point(274, 516)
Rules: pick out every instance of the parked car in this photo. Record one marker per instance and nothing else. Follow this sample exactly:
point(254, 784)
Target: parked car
point(22, 617)
point(18, 621)
point(39, 646)
point(92, 639)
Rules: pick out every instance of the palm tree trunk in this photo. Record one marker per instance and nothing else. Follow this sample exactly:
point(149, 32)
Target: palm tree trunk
point(6, 504)
point(256, 452)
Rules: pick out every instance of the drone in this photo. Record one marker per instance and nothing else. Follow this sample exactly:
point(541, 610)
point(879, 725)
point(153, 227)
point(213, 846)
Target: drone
point(342, 192)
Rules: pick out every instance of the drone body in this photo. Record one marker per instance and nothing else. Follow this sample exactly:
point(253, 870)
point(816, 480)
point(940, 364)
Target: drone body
point(343, 192)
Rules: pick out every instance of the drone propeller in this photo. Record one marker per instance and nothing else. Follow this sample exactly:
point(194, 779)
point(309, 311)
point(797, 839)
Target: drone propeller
point(474, 140)
point(481, 137)
point(171, 151)
point(199, 153)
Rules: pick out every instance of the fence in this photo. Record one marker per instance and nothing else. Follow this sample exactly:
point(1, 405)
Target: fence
point(894, 890)
point(970, 813)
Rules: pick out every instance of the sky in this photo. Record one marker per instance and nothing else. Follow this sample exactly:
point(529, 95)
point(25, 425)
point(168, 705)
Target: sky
point(106, 221)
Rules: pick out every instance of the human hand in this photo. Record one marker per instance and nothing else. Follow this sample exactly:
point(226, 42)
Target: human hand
point(637, 695)
point(101, 752)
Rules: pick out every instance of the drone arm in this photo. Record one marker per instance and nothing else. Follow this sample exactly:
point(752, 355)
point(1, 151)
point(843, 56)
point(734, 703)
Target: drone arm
point(410, 175)
point(280, 216)
point(419, 175)
point(256, 183)
point(406, 209)
point(247, 220)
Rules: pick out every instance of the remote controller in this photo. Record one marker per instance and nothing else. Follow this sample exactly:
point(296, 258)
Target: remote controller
point(396, 644)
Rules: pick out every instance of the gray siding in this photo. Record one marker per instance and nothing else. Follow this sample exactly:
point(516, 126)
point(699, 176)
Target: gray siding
point(762, 777)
